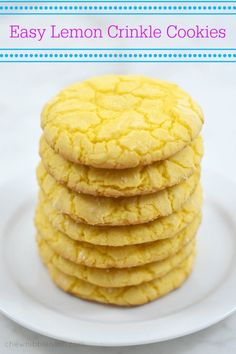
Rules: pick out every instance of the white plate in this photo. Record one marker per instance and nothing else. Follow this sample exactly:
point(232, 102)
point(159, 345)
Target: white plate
point(28, 296)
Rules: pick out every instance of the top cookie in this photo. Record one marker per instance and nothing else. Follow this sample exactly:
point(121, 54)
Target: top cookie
point(120, 121)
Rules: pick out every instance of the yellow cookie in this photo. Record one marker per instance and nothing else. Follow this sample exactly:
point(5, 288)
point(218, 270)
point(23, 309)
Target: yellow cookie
point(124, 296)
point(120, 121)
point(109, 257)
point(114, 277)
point(161, 228)
point(113, 211)
point(125, 182)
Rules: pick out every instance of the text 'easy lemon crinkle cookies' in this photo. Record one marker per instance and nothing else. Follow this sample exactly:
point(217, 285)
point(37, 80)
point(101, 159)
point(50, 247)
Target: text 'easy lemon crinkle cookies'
point(120, 196)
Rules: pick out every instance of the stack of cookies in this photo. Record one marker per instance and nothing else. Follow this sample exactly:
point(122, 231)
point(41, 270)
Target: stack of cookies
point(120, 198)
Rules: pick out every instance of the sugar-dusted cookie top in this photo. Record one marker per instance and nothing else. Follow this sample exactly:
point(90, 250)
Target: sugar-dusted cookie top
point(120, 121)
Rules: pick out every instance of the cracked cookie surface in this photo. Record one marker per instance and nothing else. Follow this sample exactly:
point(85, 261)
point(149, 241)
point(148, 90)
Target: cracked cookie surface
point(125, 182)
point(123, 296)
point(114, 277)
point(120, 121)
point(115, 211)
point(113, 257)
point(161, 228)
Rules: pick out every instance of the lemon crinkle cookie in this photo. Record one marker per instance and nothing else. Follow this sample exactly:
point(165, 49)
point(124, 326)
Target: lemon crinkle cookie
point(124, 296)
point(114, 277)
point(120, 121)
point(120, 196)
point(117, 257)
point(112, 211)
point(125, 182)
point(164, 227)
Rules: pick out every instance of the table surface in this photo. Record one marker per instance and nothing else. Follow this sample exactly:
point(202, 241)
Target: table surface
point(27, 87)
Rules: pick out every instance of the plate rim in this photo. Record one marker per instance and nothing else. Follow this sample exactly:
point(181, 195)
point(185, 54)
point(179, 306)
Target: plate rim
point(113, 343)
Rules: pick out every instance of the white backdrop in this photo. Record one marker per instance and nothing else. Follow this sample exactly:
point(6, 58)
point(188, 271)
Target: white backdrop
point(26, 87)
